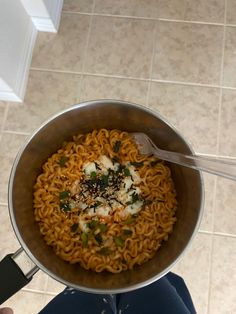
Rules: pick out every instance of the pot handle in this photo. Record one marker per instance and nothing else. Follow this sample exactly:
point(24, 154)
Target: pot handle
point(16, 271)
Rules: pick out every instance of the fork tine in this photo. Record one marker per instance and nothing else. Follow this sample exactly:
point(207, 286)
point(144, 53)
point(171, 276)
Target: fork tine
point(142, 141)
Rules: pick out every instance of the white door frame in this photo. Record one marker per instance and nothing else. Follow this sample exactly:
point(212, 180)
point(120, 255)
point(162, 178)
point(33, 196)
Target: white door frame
point(20, 21)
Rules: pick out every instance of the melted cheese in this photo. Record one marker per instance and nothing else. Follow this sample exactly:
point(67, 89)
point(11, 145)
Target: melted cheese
point(89, 168)
point(133, 208)
point(135, 175)
point(106, 162)
point(103, 210)
point(123, 196)
point(127, 183)
point(83, 225)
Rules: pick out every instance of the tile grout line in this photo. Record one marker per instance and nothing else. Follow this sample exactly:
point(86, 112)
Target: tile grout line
point(218, 234)
point(223, 234)
point(146, 18)
point(4, 120)
point(151, 65)
point(132, 78)
point(221, 81)
point(16, 132)
point(212, 243)
point(187, 83)
point(46, 284)
point(38, 291)
point(217, 151)
point(3, 204)
point(211, 249)
point(86, 52)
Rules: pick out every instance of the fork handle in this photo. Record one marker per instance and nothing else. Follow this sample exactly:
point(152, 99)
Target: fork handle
point(218, 166)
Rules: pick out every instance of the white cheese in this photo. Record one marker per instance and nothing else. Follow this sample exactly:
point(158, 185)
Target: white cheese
point(135, 175)
point(133, 208)
point(91, 212)
point(116, 166)
point(127, 182)
point(103, 210)
point(106, 162)
point(122, 196)
point(83, 225)
point(82, 205)
point(100, 199)
point(89, 168)
point(115, 205)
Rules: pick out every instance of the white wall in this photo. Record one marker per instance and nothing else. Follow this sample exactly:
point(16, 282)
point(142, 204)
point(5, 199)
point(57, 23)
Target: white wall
point(35, 8)
point(20, 21)
point(16, 29)
point(45, 14)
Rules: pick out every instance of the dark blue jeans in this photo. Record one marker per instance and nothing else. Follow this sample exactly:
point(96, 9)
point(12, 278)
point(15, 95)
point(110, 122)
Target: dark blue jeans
point(168, 295)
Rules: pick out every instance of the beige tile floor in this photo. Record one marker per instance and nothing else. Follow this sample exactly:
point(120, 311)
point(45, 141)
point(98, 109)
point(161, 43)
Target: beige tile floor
point(177, 57)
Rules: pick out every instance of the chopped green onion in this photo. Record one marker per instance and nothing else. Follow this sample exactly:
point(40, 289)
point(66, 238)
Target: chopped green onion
point(103, 227)
point(135, 197)
point(115, 160)
point(99, 239)
point(98, 203)
point(154, 163)
point(93, 175)
point(104, 181)
point(126, 172)
point(130, 220)
point(62, 161)
point(92, 224)
point(127, 232)
point(147, 202)
point(74, 227)
point(84, 238)
point(116, 147)
point(64, 194)
point(105, 251)
point(119, 241)
point(65, 207)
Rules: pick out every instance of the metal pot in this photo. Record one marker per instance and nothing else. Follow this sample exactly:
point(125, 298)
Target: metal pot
point(83, 118)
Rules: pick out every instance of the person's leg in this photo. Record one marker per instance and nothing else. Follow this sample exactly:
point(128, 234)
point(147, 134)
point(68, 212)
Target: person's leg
point(182, 290)
point(160, 297)
point(167, 295)
point(76, 302)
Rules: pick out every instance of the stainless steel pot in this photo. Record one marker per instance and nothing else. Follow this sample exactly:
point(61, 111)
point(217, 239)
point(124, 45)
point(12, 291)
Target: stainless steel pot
point(83, 118)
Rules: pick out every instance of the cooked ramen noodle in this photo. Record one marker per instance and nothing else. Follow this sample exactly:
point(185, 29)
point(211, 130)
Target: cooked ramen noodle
point(101, 204)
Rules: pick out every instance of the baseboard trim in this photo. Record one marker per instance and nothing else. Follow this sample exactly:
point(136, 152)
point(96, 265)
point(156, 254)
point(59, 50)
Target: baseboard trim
point(49, 24)
point(44, 24)
point(9, 96)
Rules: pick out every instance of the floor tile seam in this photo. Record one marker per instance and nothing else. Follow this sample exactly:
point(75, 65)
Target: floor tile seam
point(161, 19)
point(221, 83)
point(6, 131)
point(154, 42)
point(85, 57)
point(3, 204)
point(36, 291)
point(132, 78)
point(153, 80)
point(5, 114)
point(217, 233)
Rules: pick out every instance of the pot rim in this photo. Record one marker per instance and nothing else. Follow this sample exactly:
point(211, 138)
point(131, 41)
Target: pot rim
point(27, 250)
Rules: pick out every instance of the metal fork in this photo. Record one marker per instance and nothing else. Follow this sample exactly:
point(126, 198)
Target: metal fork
point(218, 166)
